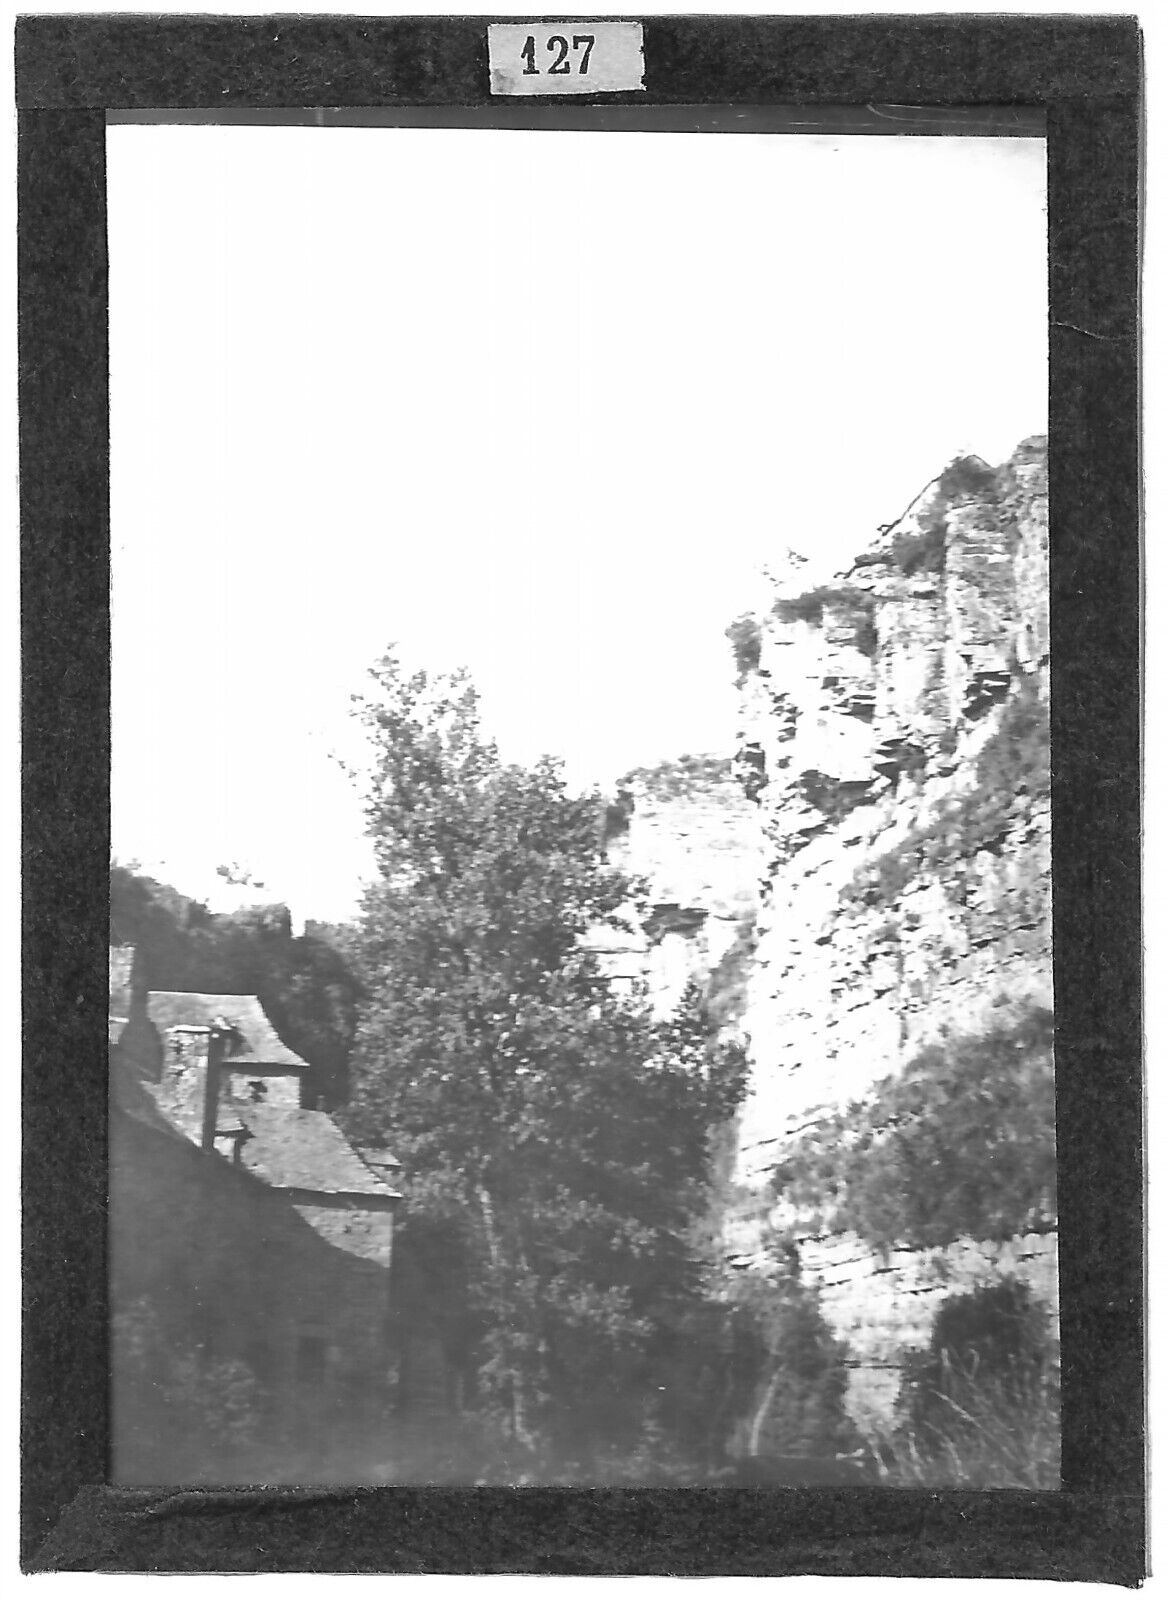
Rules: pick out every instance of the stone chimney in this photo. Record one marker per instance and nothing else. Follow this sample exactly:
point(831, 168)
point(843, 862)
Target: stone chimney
point(125, 983)
point(192, 1079)
point(216, 1050)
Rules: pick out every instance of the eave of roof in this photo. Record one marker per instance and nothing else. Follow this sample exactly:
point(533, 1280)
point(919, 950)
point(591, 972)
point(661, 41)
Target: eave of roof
point(291, 1148)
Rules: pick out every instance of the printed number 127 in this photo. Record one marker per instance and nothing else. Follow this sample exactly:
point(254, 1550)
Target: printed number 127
point(557, 43)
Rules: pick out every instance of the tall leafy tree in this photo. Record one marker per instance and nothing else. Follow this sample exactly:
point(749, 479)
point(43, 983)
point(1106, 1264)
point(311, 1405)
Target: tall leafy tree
point(557, 1141)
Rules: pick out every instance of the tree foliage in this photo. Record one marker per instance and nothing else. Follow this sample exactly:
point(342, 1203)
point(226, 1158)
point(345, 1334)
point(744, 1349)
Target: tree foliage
point(796, 1413)
point(556, 1139)
point(183, 1415)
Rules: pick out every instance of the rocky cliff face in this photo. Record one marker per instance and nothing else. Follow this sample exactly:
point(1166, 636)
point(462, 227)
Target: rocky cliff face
point(687, 829)
point(894, 735)
point(890, 894)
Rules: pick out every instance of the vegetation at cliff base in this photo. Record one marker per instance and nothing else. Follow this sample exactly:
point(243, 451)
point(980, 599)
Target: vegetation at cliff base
point(980, 1407)
point(795, 1424)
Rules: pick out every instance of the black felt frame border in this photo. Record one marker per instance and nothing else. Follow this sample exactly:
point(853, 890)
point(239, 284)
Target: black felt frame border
point(1087, 74)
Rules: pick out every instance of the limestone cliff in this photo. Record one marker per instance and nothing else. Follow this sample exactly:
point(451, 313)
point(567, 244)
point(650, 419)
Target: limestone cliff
point(894, 736)
point(874, 906)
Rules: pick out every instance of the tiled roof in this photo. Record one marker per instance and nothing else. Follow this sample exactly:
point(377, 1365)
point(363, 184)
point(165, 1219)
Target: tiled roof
point(294, 1149)
point(259, 1044)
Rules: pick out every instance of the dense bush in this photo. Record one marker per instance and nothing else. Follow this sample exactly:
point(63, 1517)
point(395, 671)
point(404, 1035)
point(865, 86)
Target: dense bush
point(183, 1415)
point(1017, 755)
point(968, 478)
point(960, 1145)
point(856, 606)
point(980, 1407)
point(618, 814)
point(688, 775)
point(745, 637)
point(913, 553)
point(809, 606)
point(924, 548)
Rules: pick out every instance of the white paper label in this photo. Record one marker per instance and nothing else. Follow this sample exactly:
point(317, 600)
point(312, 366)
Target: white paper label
point(565, 57)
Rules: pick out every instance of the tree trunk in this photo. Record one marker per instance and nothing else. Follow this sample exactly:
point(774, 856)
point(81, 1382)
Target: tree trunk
point(518, 1392)
point(487, 1205)
point(760, 1414)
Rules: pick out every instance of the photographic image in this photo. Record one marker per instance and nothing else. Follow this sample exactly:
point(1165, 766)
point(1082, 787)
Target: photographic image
point(581, 994)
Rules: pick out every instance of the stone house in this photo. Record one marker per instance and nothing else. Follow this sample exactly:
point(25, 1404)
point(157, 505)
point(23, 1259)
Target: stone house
point(250, 1252)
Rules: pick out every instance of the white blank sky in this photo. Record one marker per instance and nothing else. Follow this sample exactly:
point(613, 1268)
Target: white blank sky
point(536, 403)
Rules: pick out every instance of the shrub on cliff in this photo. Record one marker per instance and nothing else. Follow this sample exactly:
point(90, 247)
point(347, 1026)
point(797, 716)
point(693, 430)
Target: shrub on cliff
point(1017, 755)
point(688, 776)
point(856, 607)
point(960, 1145)
point(924, 551)
point(618, 814)
point(745, 637)
point(968, 478)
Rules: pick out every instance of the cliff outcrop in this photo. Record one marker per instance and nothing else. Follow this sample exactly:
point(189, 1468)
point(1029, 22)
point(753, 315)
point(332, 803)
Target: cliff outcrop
point(689, 832)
